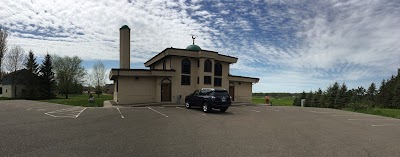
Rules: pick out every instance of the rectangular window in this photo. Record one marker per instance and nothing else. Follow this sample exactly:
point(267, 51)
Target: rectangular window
point(185, 80)
point(207, 79)
point(217, 82)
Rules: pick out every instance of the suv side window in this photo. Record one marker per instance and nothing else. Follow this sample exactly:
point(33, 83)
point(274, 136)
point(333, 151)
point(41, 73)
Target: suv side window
point(196, 93)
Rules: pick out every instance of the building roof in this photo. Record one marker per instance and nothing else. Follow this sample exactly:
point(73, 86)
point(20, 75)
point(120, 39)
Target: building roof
point(115, 73)
point(189, 53)
point(124, 27)
point(243, 79)
point(18, 76)
point(193, 48)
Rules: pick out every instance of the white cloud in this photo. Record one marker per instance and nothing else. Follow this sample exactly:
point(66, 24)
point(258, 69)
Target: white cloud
point(289, 45)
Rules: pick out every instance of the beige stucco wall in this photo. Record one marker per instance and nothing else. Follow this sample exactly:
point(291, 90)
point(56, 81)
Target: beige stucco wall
point(243, 91)
point(135, 90)
point(8, 92)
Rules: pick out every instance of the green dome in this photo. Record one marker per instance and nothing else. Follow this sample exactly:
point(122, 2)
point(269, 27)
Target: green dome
point(193, 48)
point(124, 27)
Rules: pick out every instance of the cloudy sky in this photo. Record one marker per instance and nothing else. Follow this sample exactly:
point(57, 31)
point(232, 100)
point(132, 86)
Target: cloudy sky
point(291, 45)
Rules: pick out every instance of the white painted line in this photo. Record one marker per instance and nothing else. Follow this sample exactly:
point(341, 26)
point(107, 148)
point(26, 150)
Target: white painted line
point(385, 125)
point(372, 119)
point(233, 112)
point(344, 115)
point(179, 108)
point(203, 114)
point(120, 113)
point(320, 112)
point(157, 112)
point(41, 110)
point(255, 110)
point(80, 113)
point(29, 109)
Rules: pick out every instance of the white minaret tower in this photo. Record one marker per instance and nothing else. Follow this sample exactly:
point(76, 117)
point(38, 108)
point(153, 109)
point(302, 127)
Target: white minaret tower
point(124, 47)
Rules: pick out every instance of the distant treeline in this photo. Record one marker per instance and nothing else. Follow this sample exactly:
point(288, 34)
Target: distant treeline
point(338, 96)
point(276, 94)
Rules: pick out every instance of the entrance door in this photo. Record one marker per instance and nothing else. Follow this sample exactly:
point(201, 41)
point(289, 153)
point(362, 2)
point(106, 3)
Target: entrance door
point(165, 92)
point(232, 92)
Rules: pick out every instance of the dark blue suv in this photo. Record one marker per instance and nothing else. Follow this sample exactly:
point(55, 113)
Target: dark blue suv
point(209, 98)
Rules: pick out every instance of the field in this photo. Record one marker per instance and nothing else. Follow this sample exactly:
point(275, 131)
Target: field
point(278, 101)
point(394, 113)
point(80, 100)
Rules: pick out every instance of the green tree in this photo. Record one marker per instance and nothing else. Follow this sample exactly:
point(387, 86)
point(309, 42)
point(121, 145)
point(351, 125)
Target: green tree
point(331, 93)
point(341, 97)
point(371, 94)
point(316, 97)
point(396, 91)
point(309, 101)
point(389, 89)
point(32, 80)
point(382, 94)
point(47, 81)
point(67, 71)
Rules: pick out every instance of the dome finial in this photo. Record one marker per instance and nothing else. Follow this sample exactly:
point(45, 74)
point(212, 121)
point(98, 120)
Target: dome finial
point(193, 37)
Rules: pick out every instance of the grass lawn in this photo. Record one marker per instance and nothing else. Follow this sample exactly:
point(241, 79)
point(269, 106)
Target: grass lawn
point(80, 100)
point(281, 101)
point(394, 113)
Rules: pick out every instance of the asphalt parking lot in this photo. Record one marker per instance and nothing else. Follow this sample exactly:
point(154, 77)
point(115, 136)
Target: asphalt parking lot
point(30, 128)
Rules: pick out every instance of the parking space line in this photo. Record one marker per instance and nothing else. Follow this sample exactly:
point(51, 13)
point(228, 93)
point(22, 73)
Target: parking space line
point(264, 108)
point(320, 112)
point(80, 113)
point(255, 110)
point(120, 113)
point(385, 124)
point(344, 115)
point(179, 108)
point(157, 112)
point(372, 119)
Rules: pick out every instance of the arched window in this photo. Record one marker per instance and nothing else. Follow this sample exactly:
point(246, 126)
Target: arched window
point(218, 74)
point(186, 66)
point(207, 66)
point(218, 69)
point(164, 65)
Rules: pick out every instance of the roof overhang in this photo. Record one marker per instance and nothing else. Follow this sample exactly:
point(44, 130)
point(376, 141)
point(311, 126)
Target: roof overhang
point(193, 54)
point(243, 79)
point(115, 73)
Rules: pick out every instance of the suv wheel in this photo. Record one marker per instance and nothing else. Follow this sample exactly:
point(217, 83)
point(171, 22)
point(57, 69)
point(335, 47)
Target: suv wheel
point(223, 109)
point(187, 104)
point(206, 107)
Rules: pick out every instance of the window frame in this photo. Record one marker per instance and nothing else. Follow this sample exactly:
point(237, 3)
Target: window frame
point(208, 65)
point(218, 72)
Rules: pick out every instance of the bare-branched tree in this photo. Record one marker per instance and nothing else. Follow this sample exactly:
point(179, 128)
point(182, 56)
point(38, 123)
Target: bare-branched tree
point(3, 47)
point(15, 60)
point(98, 77)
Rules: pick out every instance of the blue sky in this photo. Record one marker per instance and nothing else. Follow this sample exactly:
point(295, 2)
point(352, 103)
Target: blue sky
point(291, 45)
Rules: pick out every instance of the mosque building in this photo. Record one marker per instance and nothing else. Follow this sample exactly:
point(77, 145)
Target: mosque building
point(175, 73)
